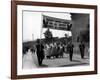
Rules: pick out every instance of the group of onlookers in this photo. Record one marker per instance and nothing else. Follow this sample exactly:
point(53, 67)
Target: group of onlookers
point(55, 50)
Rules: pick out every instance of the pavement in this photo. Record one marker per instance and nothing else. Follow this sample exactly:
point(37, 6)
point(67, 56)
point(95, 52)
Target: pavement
point(30, 61)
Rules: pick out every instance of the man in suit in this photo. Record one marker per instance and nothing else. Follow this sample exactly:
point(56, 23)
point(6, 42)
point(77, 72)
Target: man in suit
point(82, 48)
point(70, 47)
point(40, 52)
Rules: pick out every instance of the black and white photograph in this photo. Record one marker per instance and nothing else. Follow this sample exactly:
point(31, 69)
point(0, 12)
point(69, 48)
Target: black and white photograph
point(55, 39)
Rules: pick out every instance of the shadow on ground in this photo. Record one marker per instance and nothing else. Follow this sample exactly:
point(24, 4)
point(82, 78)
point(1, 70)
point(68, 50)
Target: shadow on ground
point(76, 64)
point(43, 65)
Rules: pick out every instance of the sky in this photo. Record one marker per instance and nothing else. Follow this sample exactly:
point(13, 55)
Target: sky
point(32, 25)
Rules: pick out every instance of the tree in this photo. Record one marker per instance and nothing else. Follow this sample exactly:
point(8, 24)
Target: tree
point(48, 34)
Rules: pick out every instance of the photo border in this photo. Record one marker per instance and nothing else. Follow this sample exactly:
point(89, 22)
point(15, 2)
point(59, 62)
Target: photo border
point(14, 38)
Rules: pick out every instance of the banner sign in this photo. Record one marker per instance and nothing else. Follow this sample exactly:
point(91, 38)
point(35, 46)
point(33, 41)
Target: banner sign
point(56, 23)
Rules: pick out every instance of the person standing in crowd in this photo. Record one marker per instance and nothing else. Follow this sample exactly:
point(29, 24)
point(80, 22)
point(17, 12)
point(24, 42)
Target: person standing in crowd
point(60, 50)
point(48, 51)
point(70, 47)
point(40, 52)
point(82, 48)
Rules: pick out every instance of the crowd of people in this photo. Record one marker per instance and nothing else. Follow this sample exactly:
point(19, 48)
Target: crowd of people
point(55, 50)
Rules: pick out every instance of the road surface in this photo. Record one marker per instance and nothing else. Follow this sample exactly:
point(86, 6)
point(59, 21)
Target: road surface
point(30, 61)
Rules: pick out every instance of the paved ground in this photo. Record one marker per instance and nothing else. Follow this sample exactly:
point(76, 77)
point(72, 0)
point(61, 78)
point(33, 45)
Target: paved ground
point(30, 61)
